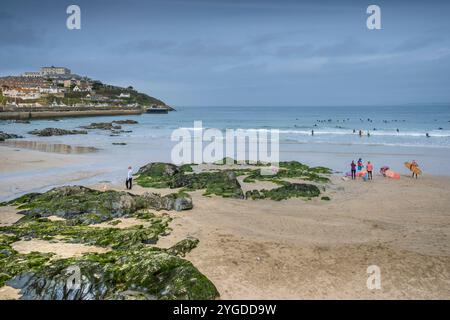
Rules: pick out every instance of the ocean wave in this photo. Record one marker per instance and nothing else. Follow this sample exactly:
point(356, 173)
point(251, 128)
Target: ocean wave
point(341, 132)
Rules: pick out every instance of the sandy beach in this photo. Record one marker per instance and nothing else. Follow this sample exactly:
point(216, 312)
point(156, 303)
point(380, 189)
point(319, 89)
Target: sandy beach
point(297, 249)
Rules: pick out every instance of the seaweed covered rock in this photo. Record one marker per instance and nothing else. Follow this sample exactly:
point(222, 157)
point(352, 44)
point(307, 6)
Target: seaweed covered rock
point(288, 190)
point(148, 273)
point(125, 121)
point(92, 206)
point(102, 126)
point(166, 175)
point(292, 169)
point(174, 201)
point(159, 170)
point(68, 231)
point(13, 263)
point(4, 136)
point(47, 132)
point(183, 247)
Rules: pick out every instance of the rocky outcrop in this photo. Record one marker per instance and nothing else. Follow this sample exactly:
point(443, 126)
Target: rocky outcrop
point(288, 190)
point(102, 126)
point(125, 121)
point(91, 206)
point(166, 175)
point(174, 201)
point(159, 169)
point(134, 272)
point(47, 132)
point(146, 274)
point(4, 136)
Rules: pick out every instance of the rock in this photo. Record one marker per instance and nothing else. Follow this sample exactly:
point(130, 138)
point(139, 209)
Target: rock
point(148, 273)
point(159, 169)
point(288, 190)
point(101, 126)
point(4, 136)
point(174, 201)
point(125, 122)
point(22, 121)
point(47, 132)
point(119, 143)
point(166, 175)
point(89, 206)
point(183, 247)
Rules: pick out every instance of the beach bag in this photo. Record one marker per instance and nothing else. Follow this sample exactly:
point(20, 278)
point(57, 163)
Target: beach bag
point(392, 174)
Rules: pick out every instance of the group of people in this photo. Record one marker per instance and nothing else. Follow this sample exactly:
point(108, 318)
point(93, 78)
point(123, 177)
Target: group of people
point(359, 165)
point(368, 174)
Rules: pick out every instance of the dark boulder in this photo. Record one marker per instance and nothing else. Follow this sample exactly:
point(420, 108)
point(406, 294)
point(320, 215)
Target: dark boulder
point(47, 132)
point(4, 136)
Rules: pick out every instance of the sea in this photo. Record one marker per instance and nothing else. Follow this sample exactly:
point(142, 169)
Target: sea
point(390, 135)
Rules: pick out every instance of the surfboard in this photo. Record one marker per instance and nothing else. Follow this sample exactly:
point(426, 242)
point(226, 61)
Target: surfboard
point(414, 169)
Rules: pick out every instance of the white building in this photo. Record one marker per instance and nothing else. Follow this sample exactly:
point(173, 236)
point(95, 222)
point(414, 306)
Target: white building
point(54, 71)
point(124, 95)
point(82, 89)
point(49, 90)
point(21, 94)
point(32, 74)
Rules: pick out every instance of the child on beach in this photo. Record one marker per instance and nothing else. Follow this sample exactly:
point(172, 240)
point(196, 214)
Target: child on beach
point(369, 168)
point(353, 168)
point(360, 164)
point(129, 181)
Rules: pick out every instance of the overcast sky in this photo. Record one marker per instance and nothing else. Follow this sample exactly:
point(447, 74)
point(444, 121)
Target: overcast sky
point(241, 52)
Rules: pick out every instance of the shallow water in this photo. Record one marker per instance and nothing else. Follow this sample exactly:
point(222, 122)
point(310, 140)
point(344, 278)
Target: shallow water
point(334, 144)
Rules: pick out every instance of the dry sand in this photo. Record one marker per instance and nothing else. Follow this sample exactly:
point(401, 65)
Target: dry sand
point(297, 249)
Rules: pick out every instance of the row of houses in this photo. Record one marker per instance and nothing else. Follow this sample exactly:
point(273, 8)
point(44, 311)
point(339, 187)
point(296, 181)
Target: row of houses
point(31, 93)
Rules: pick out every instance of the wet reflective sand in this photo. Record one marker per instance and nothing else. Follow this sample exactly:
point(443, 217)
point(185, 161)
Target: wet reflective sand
point(49, 147)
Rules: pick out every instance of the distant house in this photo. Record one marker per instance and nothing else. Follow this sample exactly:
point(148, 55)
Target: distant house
point(69, 83)
point(124, 95)
point(82, 88)
point(22, 93)
point(49, 90)
point(32, 74)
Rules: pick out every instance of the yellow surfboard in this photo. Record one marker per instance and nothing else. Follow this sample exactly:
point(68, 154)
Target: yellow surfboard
point(414, 169)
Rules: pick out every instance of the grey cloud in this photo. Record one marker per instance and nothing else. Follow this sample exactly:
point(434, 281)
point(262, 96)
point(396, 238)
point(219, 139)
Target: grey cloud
point(416, 43)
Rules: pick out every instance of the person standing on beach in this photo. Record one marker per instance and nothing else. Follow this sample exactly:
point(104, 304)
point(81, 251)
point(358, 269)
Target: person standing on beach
point(360, 164)
point(129, 181)
point(312, 132)
point(369, 170)
point(353, 168)
point(414, 164)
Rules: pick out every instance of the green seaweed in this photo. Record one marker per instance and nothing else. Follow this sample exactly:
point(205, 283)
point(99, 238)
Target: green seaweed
point(288, 190)
point(43, 228)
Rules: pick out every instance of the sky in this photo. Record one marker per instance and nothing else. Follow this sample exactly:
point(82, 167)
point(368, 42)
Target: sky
point(241, 52)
